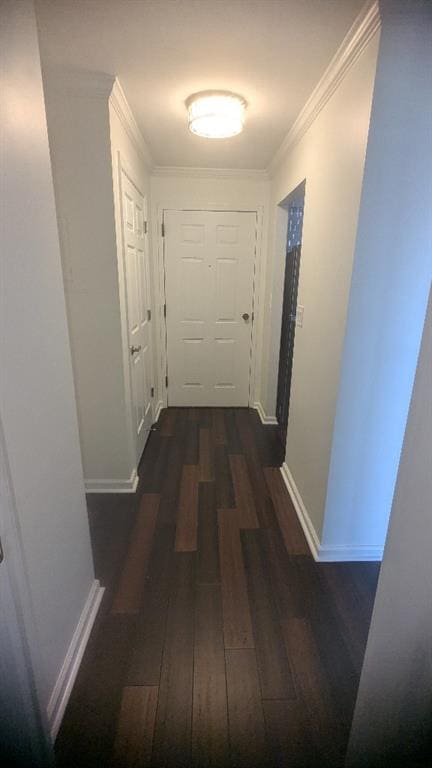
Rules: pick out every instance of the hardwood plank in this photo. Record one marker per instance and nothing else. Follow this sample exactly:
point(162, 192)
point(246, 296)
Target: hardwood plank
point(219, 430)
point(292, 532)
point(208, 552)
point(167, 422)
point(110, 536)
point(288, 735)
point(170, 488)
point(312, 685)
point(285, 575)
point(134, 737)
point(269, 446)
point(233, 438)
point(87, 733)
point(273, 668)
point(144, 665)
point(263, 504)
point(245, 502)
point(354, 608)
point(236, 612)
point(172, 737)
point(205, 418)
point(246, 718)
point(225, 498)
point(191, 445)
point(187, 511)
point(153, 467)
point(206, 459)
point(210, 741)
point(329, 636)
point(129, 593)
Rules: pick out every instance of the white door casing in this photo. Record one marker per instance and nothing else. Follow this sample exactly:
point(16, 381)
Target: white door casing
point(138, 311)
point(209, 261)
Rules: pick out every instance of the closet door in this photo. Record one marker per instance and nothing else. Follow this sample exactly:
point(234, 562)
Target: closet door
point(138, 307)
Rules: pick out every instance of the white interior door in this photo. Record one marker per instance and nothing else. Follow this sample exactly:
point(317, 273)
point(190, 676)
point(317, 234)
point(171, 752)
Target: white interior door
point(209, 283)
point(137, 276)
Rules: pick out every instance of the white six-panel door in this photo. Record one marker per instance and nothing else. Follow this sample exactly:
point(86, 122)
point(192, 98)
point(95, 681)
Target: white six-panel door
point(209, 282)
point(138, 308)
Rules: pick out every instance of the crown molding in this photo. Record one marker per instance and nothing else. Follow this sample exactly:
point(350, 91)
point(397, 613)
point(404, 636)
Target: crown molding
point(171, 171)
point(118, 101)
point(364, 28)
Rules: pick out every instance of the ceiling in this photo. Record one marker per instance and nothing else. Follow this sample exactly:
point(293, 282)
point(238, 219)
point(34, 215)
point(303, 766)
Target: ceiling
point(273, 52)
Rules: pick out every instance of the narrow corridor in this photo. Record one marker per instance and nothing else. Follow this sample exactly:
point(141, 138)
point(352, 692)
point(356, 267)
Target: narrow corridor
point(220, 641)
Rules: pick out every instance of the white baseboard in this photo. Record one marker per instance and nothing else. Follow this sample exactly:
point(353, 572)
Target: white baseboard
point(158, 409)
point(324, 553)
point(112, 486)
point(263, 416)
point(64, 684)
point(329, 554)
point(302, 514)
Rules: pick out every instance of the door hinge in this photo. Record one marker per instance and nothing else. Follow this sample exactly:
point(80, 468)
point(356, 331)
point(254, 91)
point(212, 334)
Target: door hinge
point(149, 314)
point(166, 381)
point(1, 552)
point(253, 316)
point(145, 227)
point(163, 229)
point(152, 392)
point(164, 310)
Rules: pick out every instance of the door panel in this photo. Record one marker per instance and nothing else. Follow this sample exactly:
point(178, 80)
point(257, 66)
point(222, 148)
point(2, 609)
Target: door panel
point(209, 282)
point(138, 309)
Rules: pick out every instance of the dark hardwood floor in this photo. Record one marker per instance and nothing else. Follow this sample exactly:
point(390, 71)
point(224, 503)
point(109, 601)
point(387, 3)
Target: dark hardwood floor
point(220, 642)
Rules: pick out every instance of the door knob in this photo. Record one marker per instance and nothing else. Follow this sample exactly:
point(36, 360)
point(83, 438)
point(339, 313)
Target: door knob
point(135, 349)
point(245, 316)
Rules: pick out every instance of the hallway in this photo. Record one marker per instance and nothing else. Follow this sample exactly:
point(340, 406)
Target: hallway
point(220, 641)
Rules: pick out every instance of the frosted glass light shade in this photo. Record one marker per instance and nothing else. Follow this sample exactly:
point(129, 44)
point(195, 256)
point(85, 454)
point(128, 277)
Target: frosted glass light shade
point(216, 114)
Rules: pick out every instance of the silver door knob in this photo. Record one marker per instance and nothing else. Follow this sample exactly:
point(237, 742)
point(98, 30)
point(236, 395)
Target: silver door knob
point(133, 349)
point(245, 316)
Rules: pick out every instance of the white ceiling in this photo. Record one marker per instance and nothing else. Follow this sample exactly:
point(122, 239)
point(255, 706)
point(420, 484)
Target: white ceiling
point(273, 52)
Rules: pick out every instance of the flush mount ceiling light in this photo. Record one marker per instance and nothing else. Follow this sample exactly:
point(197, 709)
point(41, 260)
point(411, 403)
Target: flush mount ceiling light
point(216, 114)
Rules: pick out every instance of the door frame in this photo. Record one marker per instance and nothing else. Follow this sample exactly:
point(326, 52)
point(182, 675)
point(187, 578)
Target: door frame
point(124, 167)
point(257, 295)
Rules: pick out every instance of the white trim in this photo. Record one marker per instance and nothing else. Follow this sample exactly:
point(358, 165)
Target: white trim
point(302, 513)
point(329, 554)
point(158, 409)
point(209, 173)
point(120, 104)
point(323, 553)
point(65, 681)
point(365, 26)
point(263, 416)
point(112, 486)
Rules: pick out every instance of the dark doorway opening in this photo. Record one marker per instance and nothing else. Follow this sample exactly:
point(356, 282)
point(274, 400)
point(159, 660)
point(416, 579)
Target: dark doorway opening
point(290, 318)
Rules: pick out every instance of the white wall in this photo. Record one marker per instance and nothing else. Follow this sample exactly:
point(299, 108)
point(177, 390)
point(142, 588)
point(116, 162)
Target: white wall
point(330, 156)
point(37, 401)
point(230, 191)
point(396, 680)
point(390, 284)
point(85, 136)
